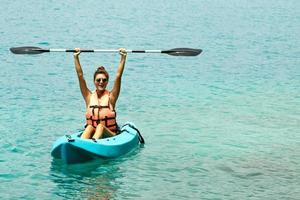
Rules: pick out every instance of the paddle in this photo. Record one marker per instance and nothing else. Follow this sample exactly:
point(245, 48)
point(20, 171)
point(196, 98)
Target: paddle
point(172, 52)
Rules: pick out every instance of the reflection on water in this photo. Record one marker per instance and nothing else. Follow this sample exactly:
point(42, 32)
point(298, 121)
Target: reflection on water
point(91, 180)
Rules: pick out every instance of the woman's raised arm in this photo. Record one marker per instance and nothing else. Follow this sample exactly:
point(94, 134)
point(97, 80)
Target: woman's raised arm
point(117, 84)
point(83, 87)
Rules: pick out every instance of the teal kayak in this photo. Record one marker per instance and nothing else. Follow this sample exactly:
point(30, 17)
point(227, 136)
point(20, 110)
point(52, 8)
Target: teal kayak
point(73, 149)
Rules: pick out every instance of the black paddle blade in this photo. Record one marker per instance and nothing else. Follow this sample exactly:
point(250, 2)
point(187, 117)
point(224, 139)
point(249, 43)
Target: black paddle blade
point(183, 52)
point(27, 50)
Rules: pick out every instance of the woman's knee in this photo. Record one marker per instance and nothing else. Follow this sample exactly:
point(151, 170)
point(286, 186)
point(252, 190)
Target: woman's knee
point(88, 131)
point(100, 126)
point(89, 127)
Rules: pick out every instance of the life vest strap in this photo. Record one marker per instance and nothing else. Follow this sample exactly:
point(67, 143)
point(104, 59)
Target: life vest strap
point(100, 120)
point(97, 106)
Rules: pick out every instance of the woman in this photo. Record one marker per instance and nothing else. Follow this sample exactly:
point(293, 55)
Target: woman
point(100, 104)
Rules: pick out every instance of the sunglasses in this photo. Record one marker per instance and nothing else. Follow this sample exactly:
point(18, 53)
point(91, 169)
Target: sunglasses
point(101, 79)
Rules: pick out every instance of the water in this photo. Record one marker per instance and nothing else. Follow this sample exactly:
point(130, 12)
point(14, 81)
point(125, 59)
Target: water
point(223, 125)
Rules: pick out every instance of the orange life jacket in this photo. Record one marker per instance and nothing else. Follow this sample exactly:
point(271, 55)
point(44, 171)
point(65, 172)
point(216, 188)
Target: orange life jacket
point(101, 112)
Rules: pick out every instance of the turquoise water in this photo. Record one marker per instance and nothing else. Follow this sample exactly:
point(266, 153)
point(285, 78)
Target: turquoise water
point(223, 125)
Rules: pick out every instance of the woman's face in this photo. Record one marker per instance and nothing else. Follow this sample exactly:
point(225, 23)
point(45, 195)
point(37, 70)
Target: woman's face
point(100, 82)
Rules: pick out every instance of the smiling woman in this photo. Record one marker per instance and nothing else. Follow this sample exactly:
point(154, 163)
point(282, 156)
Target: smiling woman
point(100, 104)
